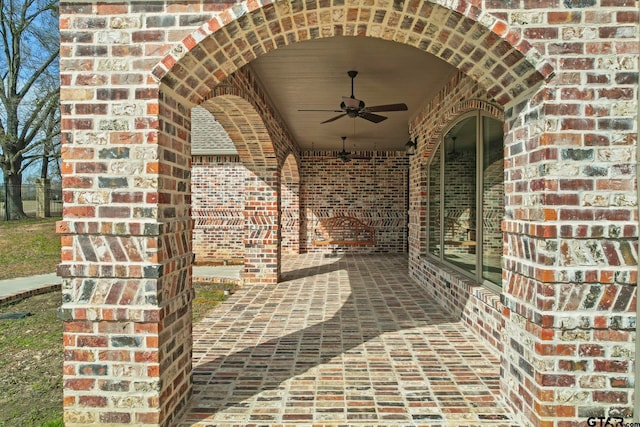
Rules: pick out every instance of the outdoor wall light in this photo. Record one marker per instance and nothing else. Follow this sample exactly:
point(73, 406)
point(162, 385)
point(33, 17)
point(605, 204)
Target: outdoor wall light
point(410, 147)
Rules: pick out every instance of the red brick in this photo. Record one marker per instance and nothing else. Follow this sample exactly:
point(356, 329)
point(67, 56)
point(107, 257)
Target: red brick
point(112, 9)
point(92, 401)
point(78, 326)
point(617, 397)
point(79, 384)
point(611, 365)
point(556, 380)
point(91, 341)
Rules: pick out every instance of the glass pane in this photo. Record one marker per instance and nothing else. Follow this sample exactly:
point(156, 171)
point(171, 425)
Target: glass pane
point(434, 204)
point(492, 199)
point(460, 195)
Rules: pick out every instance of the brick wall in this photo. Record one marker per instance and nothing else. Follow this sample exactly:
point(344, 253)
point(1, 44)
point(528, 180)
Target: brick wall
point(374, 191)
point(327, 188)
point(571, 220)
point(479, 308)
point(571, 217)
point(217, 183)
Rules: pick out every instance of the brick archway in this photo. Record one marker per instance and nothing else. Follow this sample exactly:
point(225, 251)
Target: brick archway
point(478, 44)
point(470, 39)
point(245, 128)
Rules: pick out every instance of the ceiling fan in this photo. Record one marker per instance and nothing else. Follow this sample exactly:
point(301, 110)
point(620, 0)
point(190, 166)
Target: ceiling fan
point(353, 107)
point(346, 156)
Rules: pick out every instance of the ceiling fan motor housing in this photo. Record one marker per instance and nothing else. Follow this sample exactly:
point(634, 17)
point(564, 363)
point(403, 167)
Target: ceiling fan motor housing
point(351, 111)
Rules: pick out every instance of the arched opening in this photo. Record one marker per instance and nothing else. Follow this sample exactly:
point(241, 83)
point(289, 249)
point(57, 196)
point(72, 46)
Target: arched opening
point(260, 177)
point(290, 207)
point(216, 169)
point(497, 68)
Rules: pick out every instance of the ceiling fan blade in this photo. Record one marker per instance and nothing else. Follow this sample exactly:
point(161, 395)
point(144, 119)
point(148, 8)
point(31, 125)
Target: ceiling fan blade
point(388, 107)
point(330, 111)
point(375, 118)
point(352, 102)
point(334, 118)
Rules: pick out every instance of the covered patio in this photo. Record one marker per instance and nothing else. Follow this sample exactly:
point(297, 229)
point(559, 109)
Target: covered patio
point(344, 339)
point(502, 206)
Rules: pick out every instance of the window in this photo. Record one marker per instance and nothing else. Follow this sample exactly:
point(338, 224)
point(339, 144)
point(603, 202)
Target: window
point(466, 198)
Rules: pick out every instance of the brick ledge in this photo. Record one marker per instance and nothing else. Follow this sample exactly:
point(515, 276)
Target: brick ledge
point(13, 298)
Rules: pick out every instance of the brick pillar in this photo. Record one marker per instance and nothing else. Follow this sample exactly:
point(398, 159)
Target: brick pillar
point(43, 197)
point(262, 258)
point(127, 345)
point(570, 273)
point(112, 325)
point(126, 269)
point(290, 226)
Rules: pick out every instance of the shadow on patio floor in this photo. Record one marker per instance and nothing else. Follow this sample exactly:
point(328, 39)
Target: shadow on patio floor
point(346, 340)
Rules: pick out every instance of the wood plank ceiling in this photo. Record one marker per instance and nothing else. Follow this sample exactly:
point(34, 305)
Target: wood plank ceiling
point(313, 75)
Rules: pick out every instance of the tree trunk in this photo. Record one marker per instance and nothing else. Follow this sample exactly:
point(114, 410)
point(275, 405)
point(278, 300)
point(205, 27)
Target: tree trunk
point(13, 202)
point(44, 168)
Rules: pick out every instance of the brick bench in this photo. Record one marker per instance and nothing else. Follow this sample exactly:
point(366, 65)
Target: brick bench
point(343, 231)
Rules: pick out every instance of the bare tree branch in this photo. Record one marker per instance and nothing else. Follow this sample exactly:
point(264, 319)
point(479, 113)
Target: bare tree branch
point(29, 95)
point(32, 125)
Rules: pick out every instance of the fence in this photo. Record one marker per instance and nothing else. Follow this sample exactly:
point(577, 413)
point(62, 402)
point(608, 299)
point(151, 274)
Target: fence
point(38, 200)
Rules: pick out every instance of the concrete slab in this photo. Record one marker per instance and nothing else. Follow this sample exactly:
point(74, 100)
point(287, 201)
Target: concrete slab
point(25, 284)
point(218, 271)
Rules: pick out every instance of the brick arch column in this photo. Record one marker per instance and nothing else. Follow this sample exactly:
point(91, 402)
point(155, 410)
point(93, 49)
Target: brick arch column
point(290, 206)
point(253, 142)
point(126, 258)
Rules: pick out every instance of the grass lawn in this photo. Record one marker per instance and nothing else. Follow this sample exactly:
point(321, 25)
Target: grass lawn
point(31, 350)
point(31, 363)
point(28, 247)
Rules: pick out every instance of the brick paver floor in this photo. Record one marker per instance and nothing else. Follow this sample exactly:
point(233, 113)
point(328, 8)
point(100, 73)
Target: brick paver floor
point(341, 341)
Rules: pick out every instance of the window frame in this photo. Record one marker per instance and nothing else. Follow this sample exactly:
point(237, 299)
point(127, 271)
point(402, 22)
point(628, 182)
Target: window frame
point(477, 276)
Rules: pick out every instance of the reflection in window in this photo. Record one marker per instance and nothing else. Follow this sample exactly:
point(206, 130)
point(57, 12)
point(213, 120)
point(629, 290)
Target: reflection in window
point(460, 194)
point(466, 205)
point(492, 199)
point(434, 205)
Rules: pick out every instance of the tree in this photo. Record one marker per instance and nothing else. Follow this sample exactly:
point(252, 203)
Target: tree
point(29, 90)
point(46, 148)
